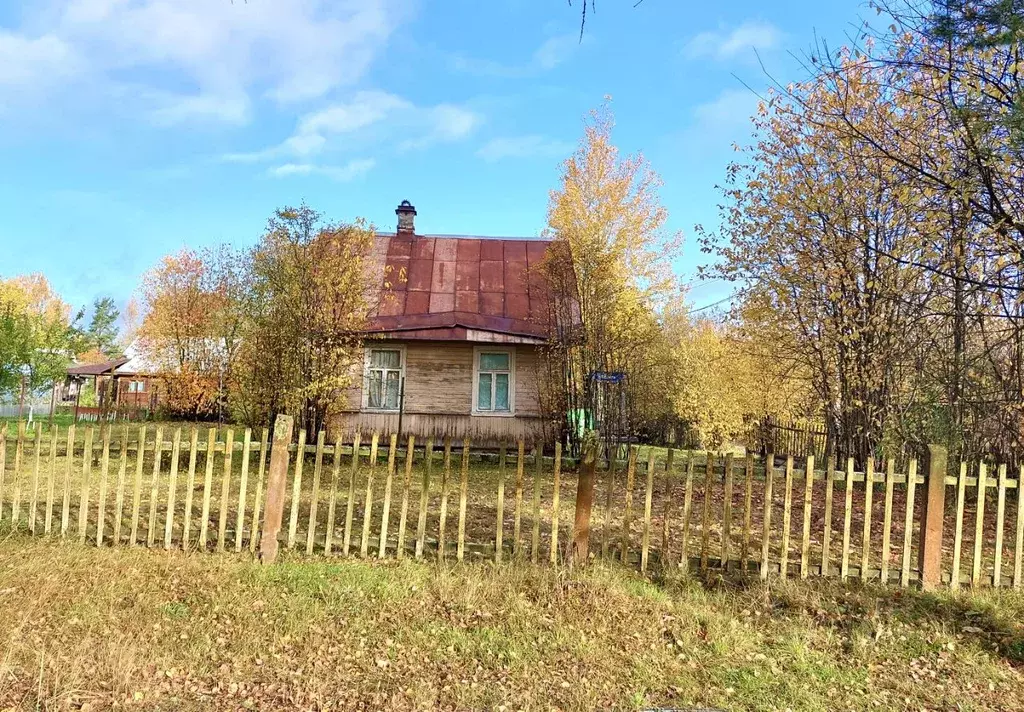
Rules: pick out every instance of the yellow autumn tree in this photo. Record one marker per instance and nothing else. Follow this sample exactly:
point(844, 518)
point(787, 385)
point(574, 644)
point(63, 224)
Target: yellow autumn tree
point(609, 224)
point(725, 379)
point(824, 239)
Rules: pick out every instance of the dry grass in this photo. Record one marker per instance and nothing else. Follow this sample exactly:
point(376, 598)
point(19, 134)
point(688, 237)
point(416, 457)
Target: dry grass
point(139, 629)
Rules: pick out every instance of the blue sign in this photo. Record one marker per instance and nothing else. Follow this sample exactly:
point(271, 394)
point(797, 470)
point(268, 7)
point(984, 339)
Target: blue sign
point(608, 376)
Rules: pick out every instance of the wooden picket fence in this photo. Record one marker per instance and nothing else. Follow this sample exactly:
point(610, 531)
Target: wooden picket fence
point(217, 489)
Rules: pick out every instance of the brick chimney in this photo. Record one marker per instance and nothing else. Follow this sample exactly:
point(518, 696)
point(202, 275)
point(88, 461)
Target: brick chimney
point(406, 218)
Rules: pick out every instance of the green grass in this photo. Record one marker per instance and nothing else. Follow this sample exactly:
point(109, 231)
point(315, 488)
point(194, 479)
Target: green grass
point(129, 628)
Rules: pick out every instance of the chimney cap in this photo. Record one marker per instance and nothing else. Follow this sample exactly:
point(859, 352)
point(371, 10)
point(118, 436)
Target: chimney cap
point(405, 207)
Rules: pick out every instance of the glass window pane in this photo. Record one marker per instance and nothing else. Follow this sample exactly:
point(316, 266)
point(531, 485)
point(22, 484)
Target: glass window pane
point(374, 395)
point(484, 392)
point(391, 397)
point(493, 362)
point(141, 387)
point(385, 358)
point(501, 391)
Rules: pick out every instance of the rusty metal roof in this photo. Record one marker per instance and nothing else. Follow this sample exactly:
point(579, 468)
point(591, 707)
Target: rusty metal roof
point(490, 284)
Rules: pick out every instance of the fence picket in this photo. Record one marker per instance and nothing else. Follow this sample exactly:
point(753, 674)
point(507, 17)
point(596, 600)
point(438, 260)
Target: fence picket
point(193, 454)
point(748, 500)
point(667, 511)
point(606, 524)
point(769, 476)
point(65, 512)
point(385, 516)
point(727, 513)
point(805, 539)
point(172, 488)
point(37, 462)
point(684, 557)
point(101, 514)
point(538, 474)
point(556, 499)
point(997, 565)
point(787, 518)
point(705, 520)
point(887, 519)
point(648, 499)
point(19, 453)
point(204, 523)
point(243, 491)
point(908, 526)
point(122, 476)
point(826, 534)
point(410, 454)
point(518, 515)
point(844, 568)
point(154, 486)
point(332, 501)
point(314, 502)
point(364, 543)
point(421, 525)
point(869, 493)
point(51, 473)
point(258, 504)
point(958, 529)
point(500, 506)
point(627, 518)
point(463, 495)
point(85, 491)
point(225, 489)
point(1018, 549)
point(350, 503)
point(293, 514)
point(446, 476)
point(979, 525)
point(3, 464)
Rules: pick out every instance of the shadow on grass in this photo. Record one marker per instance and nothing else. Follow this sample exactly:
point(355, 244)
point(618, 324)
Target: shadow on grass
point(990, 618)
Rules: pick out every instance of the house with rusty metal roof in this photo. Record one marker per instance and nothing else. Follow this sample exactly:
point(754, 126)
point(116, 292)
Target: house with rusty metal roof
point(453, 347)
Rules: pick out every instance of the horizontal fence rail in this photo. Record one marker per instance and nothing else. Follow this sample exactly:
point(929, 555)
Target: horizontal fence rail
point(217, 489)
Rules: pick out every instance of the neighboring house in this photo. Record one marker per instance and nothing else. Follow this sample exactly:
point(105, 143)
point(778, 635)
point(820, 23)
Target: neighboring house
point(126, 382)
point(454, 349)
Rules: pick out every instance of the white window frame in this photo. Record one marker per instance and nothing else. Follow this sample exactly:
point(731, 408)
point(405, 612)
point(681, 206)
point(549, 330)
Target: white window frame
point(366, 375)
point(477, 351)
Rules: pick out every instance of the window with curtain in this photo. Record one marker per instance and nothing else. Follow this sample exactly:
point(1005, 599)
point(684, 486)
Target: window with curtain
point(494, 382)
point(383, 378)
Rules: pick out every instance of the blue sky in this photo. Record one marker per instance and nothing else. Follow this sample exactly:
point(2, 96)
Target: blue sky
point(131, 128)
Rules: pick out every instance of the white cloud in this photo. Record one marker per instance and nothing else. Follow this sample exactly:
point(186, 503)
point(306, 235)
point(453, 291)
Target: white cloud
point(523, 147)
point(721, 122)
point(347, 172)
point(743, 39)
point(218, 56)
point(365, 108)
point(555, 50)
point(25, 60)
point(370, 119)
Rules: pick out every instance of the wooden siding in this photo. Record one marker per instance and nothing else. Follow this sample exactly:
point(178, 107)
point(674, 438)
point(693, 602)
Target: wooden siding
point(482, 430)
point(439, 396)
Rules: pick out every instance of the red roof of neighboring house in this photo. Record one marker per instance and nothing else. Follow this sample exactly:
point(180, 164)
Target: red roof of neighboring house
point(455, 283)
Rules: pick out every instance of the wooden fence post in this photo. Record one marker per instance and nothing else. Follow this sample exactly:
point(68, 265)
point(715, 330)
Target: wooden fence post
point(276, 481)
point(930, 557)
point(579, 550)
